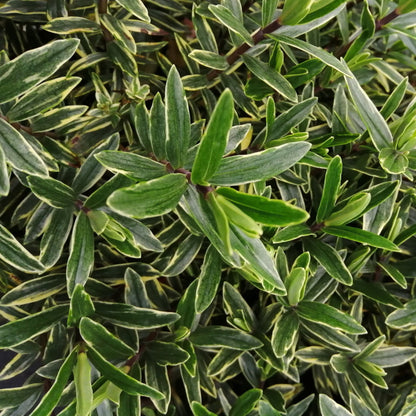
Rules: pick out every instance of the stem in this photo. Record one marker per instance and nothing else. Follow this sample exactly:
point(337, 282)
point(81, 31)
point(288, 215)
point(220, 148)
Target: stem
point(102, 9)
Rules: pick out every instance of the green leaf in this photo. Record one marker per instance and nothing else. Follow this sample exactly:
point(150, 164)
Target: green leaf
point(295, 284)
point(394, 273)
point(319, 53)
point(166, 353)
point(199, 410)
point(32, 67)
point(246, 402)
point(393, 161)
point(135, 166)
point(271, 77)
point(98, 337)
point(13, 397)
point(81, 305)
point(329, 407)
point(34, 290)
point(403, 319)
point(222, 336)
point(122, 57)
point(83, 388)
point(353, 209)
point(362, 236)
point(209, 59)
point(135, 7)
point(4, 175)
point(53, 395)
point(149, 199)
point(330, 189)
point(376, 291)
point(329, 259)
point(264, 210)
point(285, 333)
point(71, 24)
point(294, 11)
point(157, 128)
point(214, 140)
point(178, 125)
point(237, 170)
point(23, 329)
point(292, 232)
point(373, 120)
point(18, 152)
point(42, 98)
point(208, 280)
point(52, 191)
point(81, 253)
point(393, 356)
point(226, 17)
point(329, 316)
point(13, 253)
point(268, 9)
point(157, 377)
point(129, 316)
point(122, 380)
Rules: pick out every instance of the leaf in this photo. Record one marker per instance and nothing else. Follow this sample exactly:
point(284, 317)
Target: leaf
point(271, 77)
point(83, 388)
point(199, 410)
point(330, 189)
point(129, 316)
point(32, 67)
point(122, 380)
point(285, 333)
point(13, 253)
point(403, 319)
point(166, 353)
point(393, 356)
point(4, 175)
point(52, 191)
point(268, 8)
point(376, 291)
point(329, 316)
point(209, 59)
point(107, 344)
point(226, 17)
point(23, 329)
point(18, 152)
point(81, 253)
point(329, 259)
point(246, 402)
point(295, 283)
point(393, 161)
point(157, 127)
point(294, 11)
point(264, 210)
point(34, 290)
point(71, 24)
point(42, 98)
point(292, 232)
point(208, 280)
point(178, 125)
point(149, 199)
point(237, 170)
point(331, 408)
point(135, 166)
point(310, 49)
point(214, 140)
point(53, 395)
point(157, 377)
point(362, 236)
point(81, 305)
point(135, 7)
point(394, 273)
point(222, 336)
point(13, 397)
point(373, 120)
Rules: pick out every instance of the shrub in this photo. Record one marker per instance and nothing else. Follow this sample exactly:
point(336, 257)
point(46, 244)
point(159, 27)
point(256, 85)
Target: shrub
point(208, 207)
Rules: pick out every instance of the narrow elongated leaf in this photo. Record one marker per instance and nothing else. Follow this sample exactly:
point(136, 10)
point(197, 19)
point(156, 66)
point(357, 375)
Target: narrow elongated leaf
point(264, 210)
point(268, 9)
point(209, 59)
point(392, 356)
point(330, 189)
point(237, 170)
point(157, 377)
point(246, 402)
point(58, 118)
point(122, 380)
point(13, 253)
point(130, 316)
point(4, 175)
point(285, 332)
point(42, 98)
point(329, 259)
point(199, 410)
point(13, 397)
point(52, 191)
point(362, 236)
point(394, 273)
point(330, 407)
point(222, 336)
point(271, 77)
point(32, 67)
point(167, 353)
point(157, 128)
point(71, 24)
point(330, 316)
point(178, 125)
point(132, 165)
point(352, 210)
point(23, 329)
point(376, 291)
point(208, 280)
point(214, 140)
point(108, 345)
point(149, 199)
point(34, 290)
point(373, 120)
point(319, 53)
point(81, 253)
point(18, 152)
point(52, 397)
point(404, 319)
point(83, 387)
point(292, 13)
point(226, 17)
point(135, 7)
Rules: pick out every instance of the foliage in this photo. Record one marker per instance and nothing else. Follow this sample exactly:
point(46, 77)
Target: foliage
point(208, 207)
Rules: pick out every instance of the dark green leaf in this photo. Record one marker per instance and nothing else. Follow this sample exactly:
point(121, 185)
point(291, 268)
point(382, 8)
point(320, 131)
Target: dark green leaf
point(285, 333)
point(403, 319)
point(71, 24)
point(166, 353)
point(12, 397)
point(246, 402)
